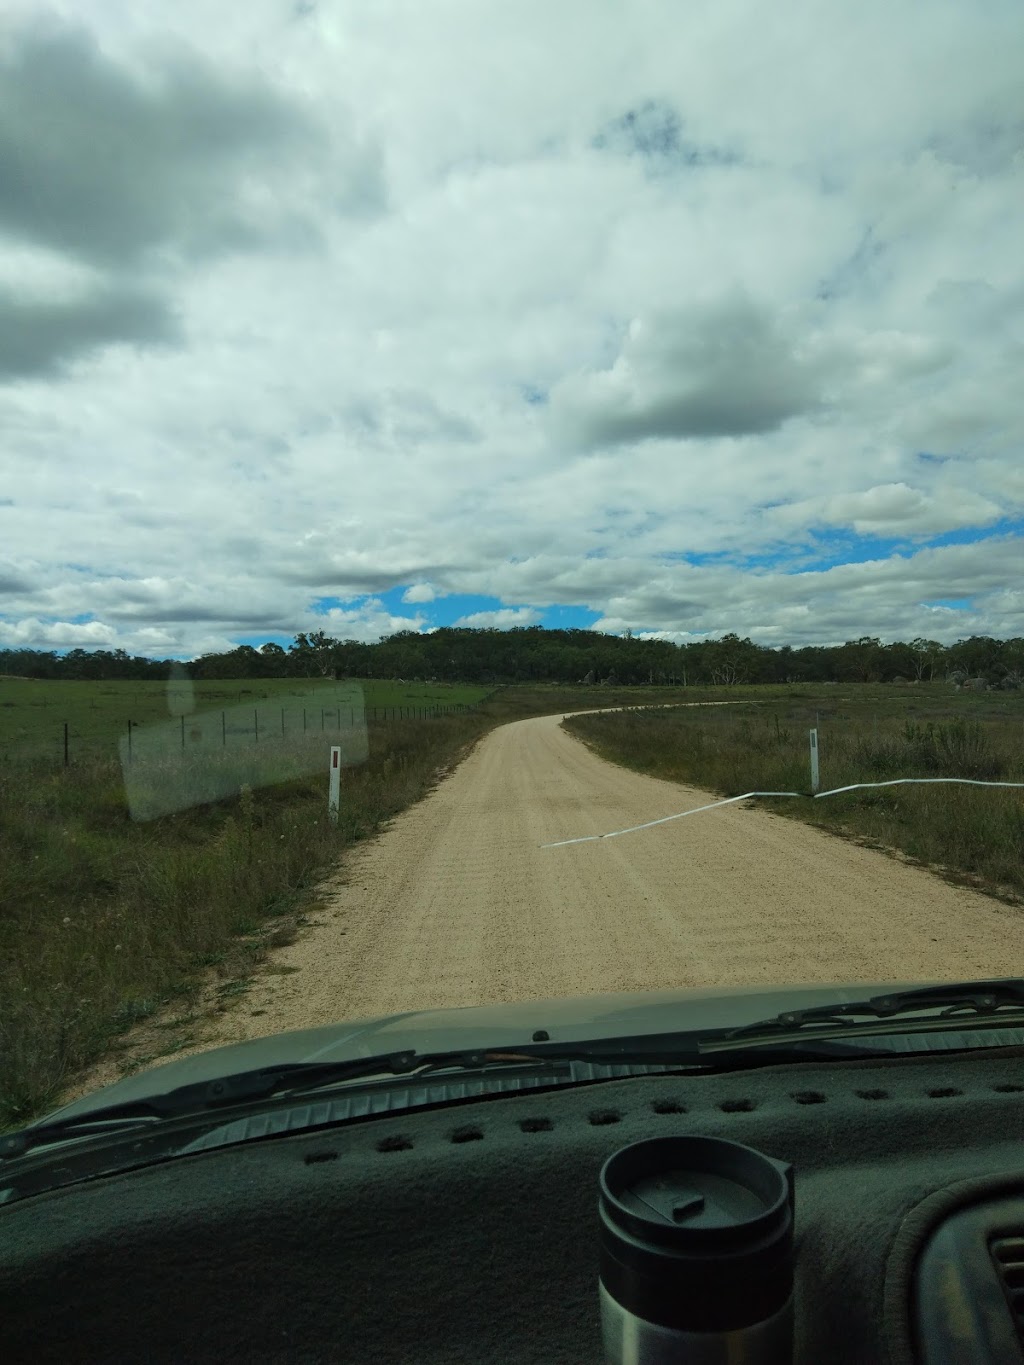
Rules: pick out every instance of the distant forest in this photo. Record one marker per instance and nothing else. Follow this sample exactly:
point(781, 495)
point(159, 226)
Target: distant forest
point(532, 654)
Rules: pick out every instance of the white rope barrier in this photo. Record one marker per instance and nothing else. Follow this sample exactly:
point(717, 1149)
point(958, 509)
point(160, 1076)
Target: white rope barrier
point(816, 796)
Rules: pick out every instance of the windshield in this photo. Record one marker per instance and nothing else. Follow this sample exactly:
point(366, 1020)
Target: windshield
point(382, 383)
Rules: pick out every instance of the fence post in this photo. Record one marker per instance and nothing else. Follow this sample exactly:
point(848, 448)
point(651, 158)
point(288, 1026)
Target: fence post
point(814, 761)
point(303, 720)
point(183, 730)
point(282, 722)
point(256, 722)
point(65, 744)
point(321, 718)
point(223, 730)
point(129, 741)
point(334, 790)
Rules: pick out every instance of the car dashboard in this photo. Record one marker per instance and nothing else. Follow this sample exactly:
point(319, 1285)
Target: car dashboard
point(468, 1232)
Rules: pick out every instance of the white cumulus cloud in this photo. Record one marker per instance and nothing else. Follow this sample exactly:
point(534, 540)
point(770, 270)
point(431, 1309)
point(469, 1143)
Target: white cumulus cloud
point(638, 308)
point(502, 619)
point(419, 592)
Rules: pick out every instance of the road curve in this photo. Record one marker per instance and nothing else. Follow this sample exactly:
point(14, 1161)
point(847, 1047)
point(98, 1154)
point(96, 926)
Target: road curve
point(458, 904)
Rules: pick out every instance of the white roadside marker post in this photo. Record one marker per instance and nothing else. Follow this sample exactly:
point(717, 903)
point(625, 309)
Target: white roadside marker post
point(815, 783)
point(334, 795)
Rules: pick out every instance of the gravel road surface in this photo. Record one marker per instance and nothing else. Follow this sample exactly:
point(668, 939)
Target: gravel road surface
point(457, 903)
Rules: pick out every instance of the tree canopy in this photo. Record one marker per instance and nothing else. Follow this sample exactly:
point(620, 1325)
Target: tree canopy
point(534, 654)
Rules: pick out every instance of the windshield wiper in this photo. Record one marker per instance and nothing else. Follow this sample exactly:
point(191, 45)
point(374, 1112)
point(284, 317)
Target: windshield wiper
point(682, 1050)
point(220, 1093)
point(981, 999)
point(771, 1040)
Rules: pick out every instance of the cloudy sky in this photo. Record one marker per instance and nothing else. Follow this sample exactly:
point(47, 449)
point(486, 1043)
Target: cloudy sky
point(368, 316)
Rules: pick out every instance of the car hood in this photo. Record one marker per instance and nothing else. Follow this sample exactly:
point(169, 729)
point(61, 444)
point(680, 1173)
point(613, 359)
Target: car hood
point(573, 1020)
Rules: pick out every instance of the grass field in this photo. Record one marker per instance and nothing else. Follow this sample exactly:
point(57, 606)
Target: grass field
point(104, 919)
point(865, 734)
point(98, 714)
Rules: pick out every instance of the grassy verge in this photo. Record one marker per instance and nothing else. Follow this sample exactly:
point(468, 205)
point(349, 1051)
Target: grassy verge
point(974, 835)
point(104, 919)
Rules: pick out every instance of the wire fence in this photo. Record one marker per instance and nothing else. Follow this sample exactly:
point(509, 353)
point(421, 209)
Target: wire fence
point(230, 727)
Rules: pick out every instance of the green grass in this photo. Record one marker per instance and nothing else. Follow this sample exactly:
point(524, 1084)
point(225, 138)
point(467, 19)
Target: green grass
point(105, 919)
point(33, 711)
point(865, 734)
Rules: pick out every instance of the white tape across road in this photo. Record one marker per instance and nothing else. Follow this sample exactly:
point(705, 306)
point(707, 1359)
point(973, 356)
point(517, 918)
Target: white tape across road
point(817, 796)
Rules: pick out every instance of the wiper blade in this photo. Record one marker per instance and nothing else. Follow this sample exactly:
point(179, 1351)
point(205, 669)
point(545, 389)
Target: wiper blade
point(670, 1050)
point(694, 1049)
point(221, 1093)
point(982, 999)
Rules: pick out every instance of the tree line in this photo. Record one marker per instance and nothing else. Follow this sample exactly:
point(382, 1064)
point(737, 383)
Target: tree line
point(532, 654)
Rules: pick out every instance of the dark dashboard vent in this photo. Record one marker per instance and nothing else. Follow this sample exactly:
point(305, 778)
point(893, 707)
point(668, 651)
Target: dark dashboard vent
point(1008, 1255)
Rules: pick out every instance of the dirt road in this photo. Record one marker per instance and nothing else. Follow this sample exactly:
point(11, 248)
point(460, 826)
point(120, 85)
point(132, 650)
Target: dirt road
point(457, 903)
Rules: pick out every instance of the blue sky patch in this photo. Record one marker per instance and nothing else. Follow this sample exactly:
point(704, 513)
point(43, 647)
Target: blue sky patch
point(322, 605)
point(832, 548)
point(972, 535)
point(827, 549)
point(445, 611)
point(569, 618)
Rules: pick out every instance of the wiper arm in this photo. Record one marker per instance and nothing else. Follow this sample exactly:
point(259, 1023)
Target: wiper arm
point(698, 1049)
point(223, 1092)
point(670, 1050)
point(983, 999)
point(693, 1049)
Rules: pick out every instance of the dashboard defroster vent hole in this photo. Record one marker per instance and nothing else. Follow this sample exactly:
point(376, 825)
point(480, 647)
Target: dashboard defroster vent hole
point(468, 1133)
point(395, 1143)
point(668, 1107)
point(536, 1125)
point(311, 1158)
point(944, 1092)
point(737, 1106)
point(809, 1097)
point(599, 1117)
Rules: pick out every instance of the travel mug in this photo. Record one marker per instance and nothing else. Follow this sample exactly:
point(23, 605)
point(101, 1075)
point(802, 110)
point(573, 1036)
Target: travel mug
point(696, 1254)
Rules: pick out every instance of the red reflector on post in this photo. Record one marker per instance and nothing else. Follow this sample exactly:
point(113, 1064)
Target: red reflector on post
point(334, 759)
